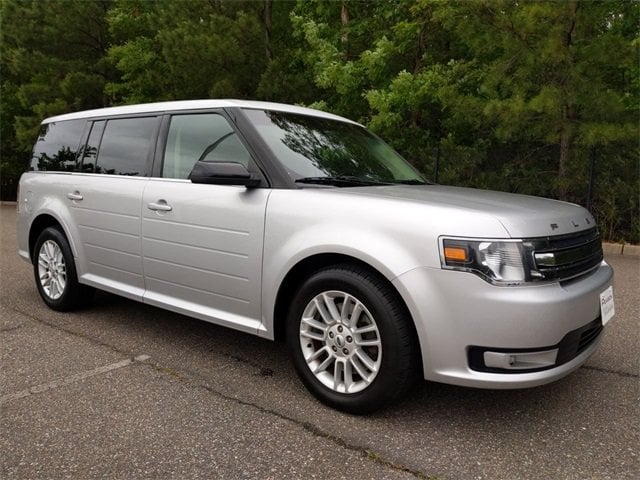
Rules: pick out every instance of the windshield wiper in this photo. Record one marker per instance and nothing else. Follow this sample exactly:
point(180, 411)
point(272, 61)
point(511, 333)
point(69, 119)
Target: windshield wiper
point(413, 181)
point(340, 181)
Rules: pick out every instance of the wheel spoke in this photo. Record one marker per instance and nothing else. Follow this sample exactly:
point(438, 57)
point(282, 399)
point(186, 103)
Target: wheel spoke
point(52, 288)
point(355, 314)
point(50, 250)
point(366, 329)
point(325, 363)
point(366, 359)
point(368, 343)
point(312, 322)
point(348, 376)
point(326, 317)
point(331, 307)
point(337, 374)
point(344, 311)
point(317, 353)
point(355, 362)
point(312, 335)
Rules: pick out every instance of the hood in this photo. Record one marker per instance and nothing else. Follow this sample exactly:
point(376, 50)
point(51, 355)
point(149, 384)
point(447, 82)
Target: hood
point(523, 216)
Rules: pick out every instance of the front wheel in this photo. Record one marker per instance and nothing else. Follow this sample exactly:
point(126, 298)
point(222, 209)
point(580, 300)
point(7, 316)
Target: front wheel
point(351, 340)
point(55, 272)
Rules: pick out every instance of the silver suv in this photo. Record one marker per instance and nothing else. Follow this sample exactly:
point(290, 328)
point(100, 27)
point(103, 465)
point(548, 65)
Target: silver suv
point(295, 224)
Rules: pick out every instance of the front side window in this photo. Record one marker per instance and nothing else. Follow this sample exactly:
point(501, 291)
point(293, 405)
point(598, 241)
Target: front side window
point(313, 149)
point(204, 137)
point(125, 146)
point(57, 146)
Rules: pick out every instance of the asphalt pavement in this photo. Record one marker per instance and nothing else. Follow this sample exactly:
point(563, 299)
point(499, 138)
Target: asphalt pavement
point(125, 390)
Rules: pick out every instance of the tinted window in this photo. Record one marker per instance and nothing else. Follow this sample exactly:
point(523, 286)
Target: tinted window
point(90, 151)
point(57, 146)
point(125, 146)
point(207, 137)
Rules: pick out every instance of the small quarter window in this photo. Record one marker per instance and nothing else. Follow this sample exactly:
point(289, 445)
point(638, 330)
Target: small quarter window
point(125, 146)
point(204, 137)
point(57, 146)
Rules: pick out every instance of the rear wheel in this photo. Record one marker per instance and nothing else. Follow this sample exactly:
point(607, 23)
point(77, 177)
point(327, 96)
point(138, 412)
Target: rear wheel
point(351, 340)
point(55, 272)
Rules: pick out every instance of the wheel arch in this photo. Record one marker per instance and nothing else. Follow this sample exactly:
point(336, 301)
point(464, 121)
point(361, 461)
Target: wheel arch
point(42, 221)
point(305, 268)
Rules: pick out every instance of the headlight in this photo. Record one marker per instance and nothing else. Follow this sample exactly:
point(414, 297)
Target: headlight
point(496, 261)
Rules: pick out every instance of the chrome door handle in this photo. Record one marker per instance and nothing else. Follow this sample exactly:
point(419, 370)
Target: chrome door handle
point(74, 196)
point(160, 206)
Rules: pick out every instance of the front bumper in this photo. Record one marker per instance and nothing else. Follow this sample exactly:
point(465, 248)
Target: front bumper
point(456, 313)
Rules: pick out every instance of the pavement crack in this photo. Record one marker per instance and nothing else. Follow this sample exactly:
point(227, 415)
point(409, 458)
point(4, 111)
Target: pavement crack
point(170, 372)
point(615, 372)
point(68, 331)
point(307, 426)
point(10, 329)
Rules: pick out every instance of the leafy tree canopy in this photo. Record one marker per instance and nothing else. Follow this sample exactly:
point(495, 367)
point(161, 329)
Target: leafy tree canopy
point(526, 96)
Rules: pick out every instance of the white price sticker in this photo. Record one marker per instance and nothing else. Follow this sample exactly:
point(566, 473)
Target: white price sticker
point(607, 310)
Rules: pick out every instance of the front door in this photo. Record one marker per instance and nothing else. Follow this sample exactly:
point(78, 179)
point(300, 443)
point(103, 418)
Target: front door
point(202, 244)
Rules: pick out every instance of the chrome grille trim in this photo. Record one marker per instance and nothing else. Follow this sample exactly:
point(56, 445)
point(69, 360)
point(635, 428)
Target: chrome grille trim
point(564, 257)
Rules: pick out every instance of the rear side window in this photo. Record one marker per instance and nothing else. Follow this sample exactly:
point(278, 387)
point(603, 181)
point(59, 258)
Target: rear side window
point(125, 146)
point(207, 137)
point(57, 146)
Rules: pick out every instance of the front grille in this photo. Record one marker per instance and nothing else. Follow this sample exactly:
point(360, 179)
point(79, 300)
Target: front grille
point(565, 256)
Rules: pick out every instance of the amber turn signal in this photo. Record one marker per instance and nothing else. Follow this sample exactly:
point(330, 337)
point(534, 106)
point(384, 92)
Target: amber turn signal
point(456, 254)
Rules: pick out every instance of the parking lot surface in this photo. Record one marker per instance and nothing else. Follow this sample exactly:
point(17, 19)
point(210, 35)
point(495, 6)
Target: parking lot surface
point(125, 390)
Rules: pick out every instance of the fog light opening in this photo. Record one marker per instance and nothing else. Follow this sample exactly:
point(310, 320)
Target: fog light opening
point(520, 361)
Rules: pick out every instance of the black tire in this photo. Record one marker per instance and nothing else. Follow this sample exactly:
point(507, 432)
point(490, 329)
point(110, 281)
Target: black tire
point(74, 295)
point(397, 371)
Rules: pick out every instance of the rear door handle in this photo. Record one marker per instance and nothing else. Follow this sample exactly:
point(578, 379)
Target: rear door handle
point(74, 196)
point(160, 205)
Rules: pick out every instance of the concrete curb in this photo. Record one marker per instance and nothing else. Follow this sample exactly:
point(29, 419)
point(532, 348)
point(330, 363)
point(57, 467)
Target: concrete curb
point(621, 249)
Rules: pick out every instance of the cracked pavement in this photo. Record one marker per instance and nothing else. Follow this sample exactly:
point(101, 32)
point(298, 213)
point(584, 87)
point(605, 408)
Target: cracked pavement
point(80, 399)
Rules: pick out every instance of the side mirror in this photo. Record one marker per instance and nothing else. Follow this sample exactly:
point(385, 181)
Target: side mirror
point(223, 173)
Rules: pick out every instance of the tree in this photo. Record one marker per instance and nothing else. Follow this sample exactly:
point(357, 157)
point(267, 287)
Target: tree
point(524, 96)
point(512, 95)
point(185, 50)
point(52, 61)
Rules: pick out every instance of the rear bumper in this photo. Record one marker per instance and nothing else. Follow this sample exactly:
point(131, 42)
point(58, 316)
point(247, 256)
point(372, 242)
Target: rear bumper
point(458, 316)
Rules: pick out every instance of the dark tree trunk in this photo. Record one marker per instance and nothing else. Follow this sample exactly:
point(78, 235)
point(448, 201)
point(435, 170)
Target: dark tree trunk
point(344, 21)
point(266, 18)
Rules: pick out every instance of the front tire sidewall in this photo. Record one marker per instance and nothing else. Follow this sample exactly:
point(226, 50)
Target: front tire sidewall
point(394, 366)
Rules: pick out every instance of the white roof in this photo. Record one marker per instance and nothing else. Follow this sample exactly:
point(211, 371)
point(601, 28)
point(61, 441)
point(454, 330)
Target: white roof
point(162, 107)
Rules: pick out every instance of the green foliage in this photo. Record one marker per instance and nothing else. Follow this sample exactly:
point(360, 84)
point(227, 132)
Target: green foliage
point(517, 96)
point(505, 95)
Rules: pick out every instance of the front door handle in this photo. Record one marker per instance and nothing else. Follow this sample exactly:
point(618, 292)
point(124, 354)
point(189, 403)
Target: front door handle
point(74, 196)
point(160, 206)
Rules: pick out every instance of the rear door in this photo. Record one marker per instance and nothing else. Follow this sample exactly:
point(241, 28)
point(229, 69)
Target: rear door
point(106, 203)
point(202, 244)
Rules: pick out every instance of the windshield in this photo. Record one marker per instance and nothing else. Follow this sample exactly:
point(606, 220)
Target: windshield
point(313, 149)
